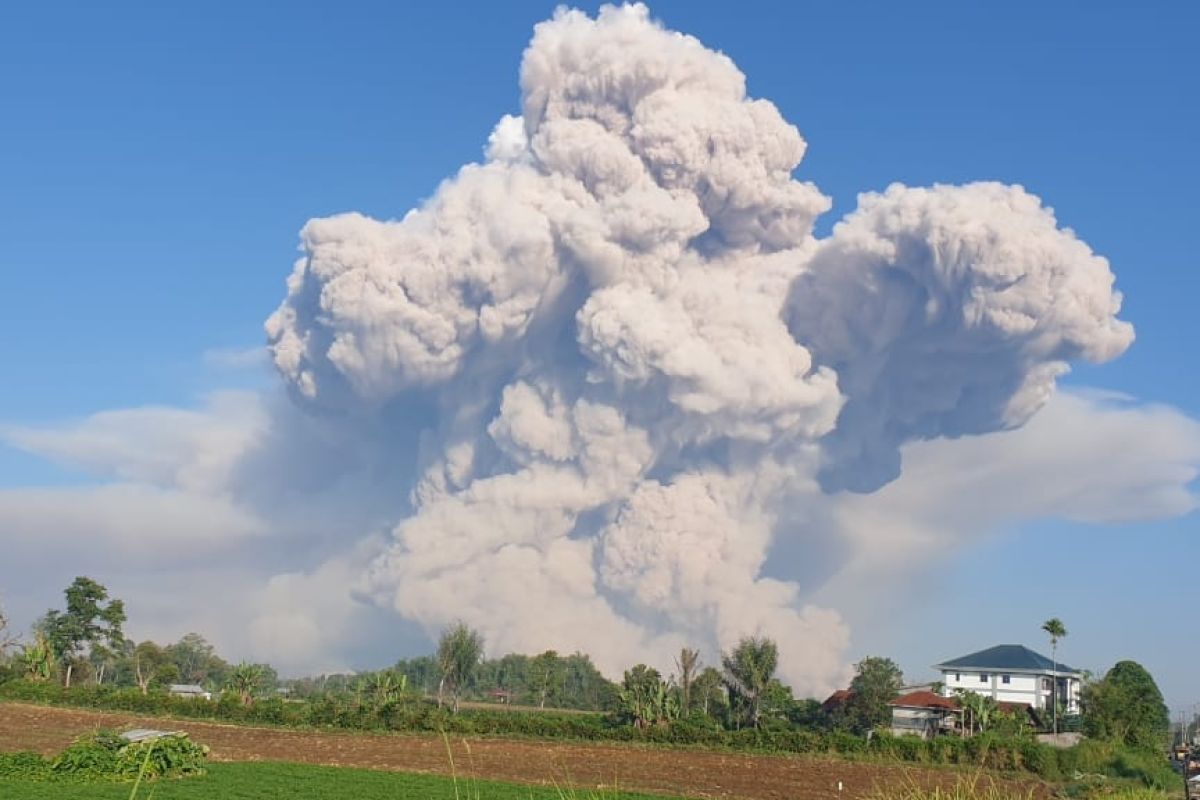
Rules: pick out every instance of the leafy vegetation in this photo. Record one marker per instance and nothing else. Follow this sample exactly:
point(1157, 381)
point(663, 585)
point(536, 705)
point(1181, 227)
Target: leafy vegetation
point(748, 672)
point(1126, 707)
point(459, 652)
point(106, 756)
point(876, 683)
point(88, 627)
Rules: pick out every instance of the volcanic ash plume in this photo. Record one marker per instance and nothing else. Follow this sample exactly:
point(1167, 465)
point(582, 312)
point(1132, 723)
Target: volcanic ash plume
point(632, 363)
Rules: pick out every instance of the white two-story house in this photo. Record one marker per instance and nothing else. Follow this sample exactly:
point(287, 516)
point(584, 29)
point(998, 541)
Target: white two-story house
point(1012, 673)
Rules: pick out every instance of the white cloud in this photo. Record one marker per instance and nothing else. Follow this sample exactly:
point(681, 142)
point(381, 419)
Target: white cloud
point(161, 446)
point(1087, 456)
point(594, 383)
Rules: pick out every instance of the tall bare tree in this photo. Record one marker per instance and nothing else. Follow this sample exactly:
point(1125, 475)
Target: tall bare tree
point(688, 664)
point(8, 639)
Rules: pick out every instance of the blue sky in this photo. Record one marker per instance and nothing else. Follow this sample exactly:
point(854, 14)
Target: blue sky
point(157, 163)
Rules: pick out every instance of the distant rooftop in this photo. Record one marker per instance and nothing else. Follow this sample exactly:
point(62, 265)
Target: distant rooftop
point(1005, 657)
point(925, 699)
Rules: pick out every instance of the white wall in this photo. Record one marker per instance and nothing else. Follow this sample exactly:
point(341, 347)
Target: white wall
point(1021, 687)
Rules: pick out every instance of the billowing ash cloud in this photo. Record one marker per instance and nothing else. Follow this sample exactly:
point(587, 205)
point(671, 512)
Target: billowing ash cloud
point(631, 362)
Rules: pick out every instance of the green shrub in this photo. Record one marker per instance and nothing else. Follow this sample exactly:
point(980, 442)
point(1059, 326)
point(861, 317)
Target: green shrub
point(1039, 759)
point(105, 755)
point(902, 748)
point(947, 750)
point(91, 757)
point(845, 743)
point(24, 766)
point(168, 756)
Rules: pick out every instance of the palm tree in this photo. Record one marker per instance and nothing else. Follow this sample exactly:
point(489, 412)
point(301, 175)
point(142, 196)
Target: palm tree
point(748, 670)
point(245, 679)
point(1055, 629)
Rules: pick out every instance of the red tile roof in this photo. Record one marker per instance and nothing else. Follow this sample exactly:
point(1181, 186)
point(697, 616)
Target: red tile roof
point(925, 699)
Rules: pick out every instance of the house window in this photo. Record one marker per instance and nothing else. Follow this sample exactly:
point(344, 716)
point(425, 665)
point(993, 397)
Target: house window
point(1006, 678)
point(1046, 684)
point(983, 678)
point(958, 677)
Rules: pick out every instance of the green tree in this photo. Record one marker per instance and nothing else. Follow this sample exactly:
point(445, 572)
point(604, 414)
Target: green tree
point(247, 680)
point(979, 710)
point(152, 666)
point(646, 699)
point(1055, 629)
point(585, 687)
point(688, 664)
point(509, 673)
point(546, 676)
point(748, 669)
point(423, 673)
point(87, 622)
point(198, 661)
point(708, 692)
point(807, 714)
point(778, 704)
point(876, 683)
point(1125, 706)
point(459, 651)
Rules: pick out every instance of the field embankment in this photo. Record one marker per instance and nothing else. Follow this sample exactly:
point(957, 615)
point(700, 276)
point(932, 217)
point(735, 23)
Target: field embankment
point(690, 773)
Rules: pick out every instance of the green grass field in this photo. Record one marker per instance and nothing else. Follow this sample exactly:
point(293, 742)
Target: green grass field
point(274, 781)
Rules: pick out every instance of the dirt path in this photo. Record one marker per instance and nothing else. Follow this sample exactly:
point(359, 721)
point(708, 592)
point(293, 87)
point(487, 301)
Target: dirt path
point(685, 772)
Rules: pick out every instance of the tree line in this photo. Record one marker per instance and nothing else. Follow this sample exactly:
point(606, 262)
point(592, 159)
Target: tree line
point(84, 642)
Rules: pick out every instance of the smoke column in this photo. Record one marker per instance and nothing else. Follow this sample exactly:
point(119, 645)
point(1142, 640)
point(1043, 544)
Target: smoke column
point(632, 366)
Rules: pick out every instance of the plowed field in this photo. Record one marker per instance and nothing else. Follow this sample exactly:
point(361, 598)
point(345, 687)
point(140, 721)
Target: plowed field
point(691, 773)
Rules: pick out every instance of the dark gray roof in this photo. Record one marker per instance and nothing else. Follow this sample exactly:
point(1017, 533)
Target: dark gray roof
point(1013, 657)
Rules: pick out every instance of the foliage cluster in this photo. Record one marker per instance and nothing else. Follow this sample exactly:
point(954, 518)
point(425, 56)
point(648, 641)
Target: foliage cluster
point(106, 756)
point(1125, 706)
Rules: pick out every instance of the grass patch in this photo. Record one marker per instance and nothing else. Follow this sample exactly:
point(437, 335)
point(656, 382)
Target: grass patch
point(277, 781)
point(980, 787)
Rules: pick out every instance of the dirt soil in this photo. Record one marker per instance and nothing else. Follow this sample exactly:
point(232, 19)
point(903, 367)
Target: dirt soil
point(692, 773)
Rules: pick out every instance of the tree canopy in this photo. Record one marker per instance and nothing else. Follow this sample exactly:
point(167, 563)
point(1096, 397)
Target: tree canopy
point(749, 668)
point(876, 683)
point(87, 622)
point(1126, 706)
point(459, 651)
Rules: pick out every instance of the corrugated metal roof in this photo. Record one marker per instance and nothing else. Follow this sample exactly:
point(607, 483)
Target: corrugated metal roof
point(1005, 657)
point(146, 734)
point(925, 699)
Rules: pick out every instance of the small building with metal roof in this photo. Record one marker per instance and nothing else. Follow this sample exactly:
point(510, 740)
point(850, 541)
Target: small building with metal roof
point(189, 690)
